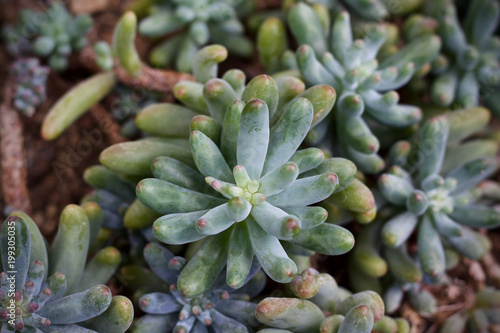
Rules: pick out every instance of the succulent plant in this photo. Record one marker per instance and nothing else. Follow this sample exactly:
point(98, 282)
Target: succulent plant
point(56, 291)
point(376, 10)
point(438, 203)
point(30, 78)
point(219, 309)
point(484, 312)
point(415, 26)
point(78, 100)
point(363, 12)
point(440, 209)
point(323, 306)
point(365, 87)
point(104, 56)
point(469, 69)
point(168, 126)
point(126, 223)
point(15, 36)
point(271, 181)
point(215, 21)
point(60, 35)
point(57, 33)
point(123, 47)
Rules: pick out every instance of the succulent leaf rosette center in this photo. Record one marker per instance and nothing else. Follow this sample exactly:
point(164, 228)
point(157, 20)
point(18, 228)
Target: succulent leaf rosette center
point(244, 188)
point(246, 194)
point(439, 198)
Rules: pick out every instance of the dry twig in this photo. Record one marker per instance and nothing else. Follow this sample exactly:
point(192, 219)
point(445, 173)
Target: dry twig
point(162, 80)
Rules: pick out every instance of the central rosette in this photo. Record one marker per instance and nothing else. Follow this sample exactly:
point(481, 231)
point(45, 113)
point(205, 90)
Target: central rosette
point(439, 196)
point(244, 188)
point(248, 195)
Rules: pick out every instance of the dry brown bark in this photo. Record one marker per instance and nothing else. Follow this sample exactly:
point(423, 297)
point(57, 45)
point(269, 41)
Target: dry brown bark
point(162, 80)
point(153, 79)
point(12, 155)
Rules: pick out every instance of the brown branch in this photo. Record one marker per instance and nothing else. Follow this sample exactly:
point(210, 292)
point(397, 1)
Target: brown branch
point(153, 79)
point(106, 120)
point(12, 155)
point(162, 80)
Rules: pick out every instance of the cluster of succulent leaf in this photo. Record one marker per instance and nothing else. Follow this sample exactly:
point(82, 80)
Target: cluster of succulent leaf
point(58, 291)
point(175, 173)
point(104, 56)
point(125, 221)
point(468, 69)
point(215, 21)
point(132, 160)
point(440, 209)
point(53, 34)
point(242, 184)
point(330, 55)
point(375, 10)
point(30, 78)
point(322, 306)
point(112, 194)
point(222, 309)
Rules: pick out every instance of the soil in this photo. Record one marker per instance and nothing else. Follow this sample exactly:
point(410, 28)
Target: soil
point(55, 168)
